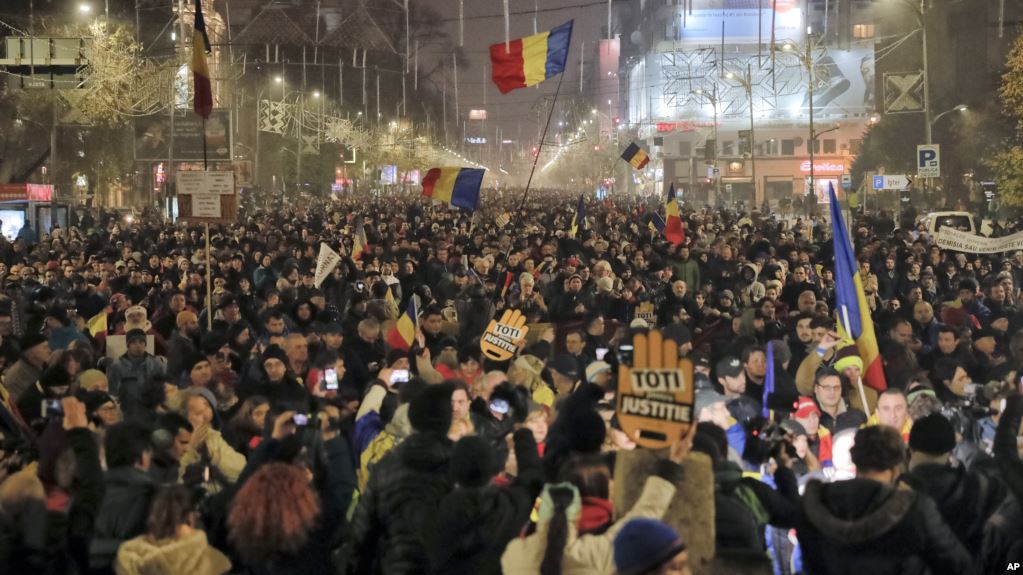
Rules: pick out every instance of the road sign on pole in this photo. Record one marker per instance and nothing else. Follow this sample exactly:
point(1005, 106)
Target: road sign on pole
point(846, 182)
point(892, 182)
point(928, 161)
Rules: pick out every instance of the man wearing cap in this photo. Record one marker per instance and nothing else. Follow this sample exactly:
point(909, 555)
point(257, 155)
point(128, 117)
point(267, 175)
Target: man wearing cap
point(35, 353)
point(183, 351)
point(573, 303)
point(128, 374)
point(966, 499)
point(985, 350)
point(565, 374)
point(808, 415)
point(712, 407)
point(731, 376)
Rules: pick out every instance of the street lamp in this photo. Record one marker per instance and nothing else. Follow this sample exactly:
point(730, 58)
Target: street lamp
point(84, 8)
point(959, 108)
point(747, 84)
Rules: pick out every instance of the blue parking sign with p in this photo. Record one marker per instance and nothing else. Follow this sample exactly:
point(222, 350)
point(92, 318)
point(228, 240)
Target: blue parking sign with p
point(928, 161)
point(878, 183)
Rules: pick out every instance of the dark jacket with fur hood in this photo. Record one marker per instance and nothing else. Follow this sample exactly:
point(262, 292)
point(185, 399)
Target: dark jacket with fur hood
point(861, 526)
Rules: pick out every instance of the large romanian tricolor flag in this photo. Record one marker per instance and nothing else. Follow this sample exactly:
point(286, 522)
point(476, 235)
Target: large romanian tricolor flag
point(403, 333)
point(459, 187)
point(636, 156)
point(851, 304)
point(673, 231)
point(203, 101)
point(528, 61)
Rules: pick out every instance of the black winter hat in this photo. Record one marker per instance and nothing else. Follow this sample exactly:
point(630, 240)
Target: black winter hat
point(30, 340)
point(932, 435)
point(430, 411)
point(473, 462)
point(55, 375)
point(212, 342)
point(275, 352)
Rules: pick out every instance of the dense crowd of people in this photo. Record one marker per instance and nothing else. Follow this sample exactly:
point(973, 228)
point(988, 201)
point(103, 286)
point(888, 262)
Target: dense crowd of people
point(277, 428)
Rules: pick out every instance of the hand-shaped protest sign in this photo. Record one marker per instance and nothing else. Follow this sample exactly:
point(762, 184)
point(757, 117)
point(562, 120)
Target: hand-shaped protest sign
point(504, 337)
point(655, 394)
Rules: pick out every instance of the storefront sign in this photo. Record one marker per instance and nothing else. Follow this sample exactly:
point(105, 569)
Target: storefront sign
point(822, 167)
point(686, 126)
point(23, 192)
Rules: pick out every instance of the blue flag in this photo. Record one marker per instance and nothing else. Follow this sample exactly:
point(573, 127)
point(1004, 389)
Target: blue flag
point(769, 377)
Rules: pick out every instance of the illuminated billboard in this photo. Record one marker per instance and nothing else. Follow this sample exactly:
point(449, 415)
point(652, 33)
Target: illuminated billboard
point(744, 21)
point(694, 86)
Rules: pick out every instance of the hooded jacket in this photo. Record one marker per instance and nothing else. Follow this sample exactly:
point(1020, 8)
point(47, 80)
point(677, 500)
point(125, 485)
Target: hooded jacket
point(861, 526)
point(397, 508)
point(190, 554)
point(586, 554)
point(129, 491)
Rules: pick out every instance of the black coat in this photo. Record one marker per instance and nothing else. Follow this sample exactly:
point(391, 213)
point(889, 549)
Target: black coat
point(123, 514)
point(966, 500)
point(398, 506)
point(475, 525)
point(861, 526)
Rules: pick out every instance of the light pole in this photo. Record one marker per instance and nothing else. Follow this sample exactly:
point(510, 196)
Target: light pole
point(959, 108)
point(747, 84)
point(713, 98)
point(806, 59)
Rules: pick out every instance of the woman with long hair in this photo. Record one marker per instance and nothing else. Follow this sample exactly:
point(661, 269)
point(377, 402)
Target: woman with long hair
point(286, 515)
point(273, 517)
point(172, 544)
point(245, 430)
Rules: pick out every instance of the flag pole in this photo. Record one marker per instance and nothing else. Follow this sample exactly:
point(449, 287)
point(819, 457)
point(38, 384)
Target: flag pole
point(539, 147)
point(859, 380)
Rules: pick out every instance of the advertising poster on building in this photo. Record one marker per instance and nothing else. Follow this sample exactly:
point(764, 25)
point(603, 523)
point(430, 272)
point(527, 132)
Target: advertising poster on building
point(153, 137)
point(746, 21)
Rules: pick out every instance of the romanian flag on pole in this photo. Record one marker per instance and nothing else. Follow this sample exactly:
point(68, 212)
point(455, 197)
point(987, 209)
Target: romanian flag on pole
point(528, 61)
point(459, 187)
point(359, 241)
point(636, 156)
point(850, 303)
point(203, 101)
point(579, 219)
point(403, 333)
point(673, 219)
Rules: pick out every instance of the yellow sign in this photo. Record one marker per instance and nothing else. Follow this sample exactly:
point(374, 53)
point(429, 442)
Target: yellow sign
point(503, 338)
point(655, 393)
point(646, 311)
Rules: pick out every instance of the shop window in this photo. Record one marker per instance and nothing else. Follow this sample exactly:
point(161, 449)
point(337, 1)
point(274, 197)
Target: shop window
point(863, 31)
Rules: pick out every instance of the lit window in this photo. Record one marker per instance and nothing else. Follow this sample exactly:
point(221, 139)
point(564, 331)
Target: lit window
point(863, 31)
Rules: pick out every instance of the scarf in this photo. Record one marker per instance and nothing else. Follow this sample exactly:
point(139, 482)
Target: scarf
point(597, 512)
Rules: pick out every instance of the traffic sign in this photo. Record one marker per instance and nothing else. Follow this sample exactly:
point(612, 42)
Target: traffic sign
point(928, 161)
point(893, 182)
point(846, 182)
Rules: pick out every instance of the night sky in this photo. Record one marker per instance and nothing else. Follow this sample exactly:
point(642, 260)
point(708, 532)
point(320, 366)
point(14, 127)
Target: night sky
point(484, 25)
